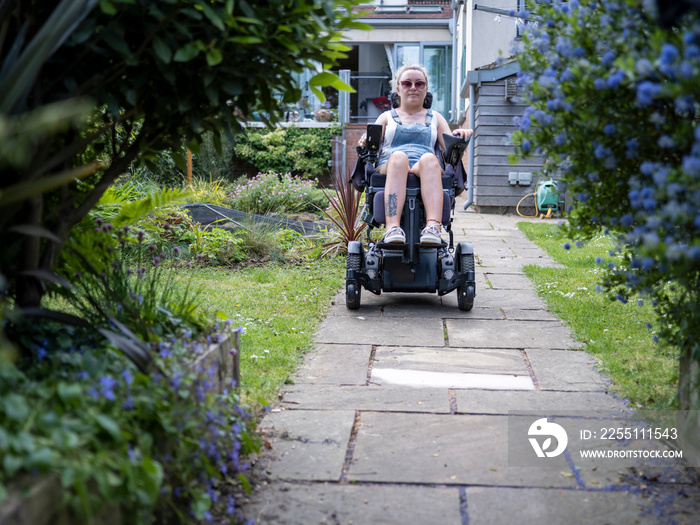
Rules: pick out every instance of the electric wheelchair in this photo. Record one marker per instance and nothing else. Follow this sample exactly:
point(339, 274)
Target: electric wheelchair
point(410, 266)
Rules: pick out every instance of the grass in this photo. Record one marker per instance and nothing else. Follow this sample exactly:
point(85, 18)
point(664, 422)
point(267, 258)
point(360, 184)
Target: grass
point(642, 371)
point(279, 305)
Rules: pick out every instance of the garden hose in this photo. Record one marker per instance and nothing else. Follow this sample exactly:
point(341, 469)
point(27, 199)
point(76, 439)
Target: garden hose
point(537, 211)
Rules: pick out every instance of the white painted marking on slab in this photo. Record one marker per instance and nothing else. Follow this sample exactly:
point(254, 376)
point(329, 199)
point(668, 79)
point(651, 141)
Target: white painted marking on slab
point(452, 380)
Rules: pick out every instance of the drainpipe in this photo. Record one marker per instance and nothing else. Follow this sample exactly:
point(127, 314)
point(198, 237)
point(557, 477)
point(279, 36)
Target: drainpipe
point(453, 103)
point(470, 149)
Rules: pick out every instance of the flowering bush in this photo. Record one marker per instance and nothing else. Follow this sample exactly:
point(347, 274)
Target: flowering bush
point(159, 445)
point(614, 103)
point(153, 434)
point(277, 193)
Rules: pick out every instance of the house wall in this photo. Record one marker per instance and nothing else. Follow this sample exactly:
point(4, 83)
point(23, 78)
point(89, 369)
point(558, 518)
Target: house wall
point(494, 122)
point(486, 38)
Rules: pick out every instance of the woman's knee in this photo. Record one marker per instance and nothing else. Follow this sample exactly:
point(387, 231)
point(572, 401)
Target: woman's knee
point(398, 158)
point(430, 161)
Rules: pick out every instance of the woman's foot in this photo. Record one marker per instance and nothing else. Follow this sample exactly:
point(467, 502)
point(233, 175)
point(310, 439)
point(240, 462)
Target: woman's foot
point(395, 235)
point(430, 235)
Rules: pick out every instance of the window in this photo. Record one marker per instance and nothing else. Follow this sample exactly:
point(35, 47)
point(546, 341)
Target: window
point(437, 59)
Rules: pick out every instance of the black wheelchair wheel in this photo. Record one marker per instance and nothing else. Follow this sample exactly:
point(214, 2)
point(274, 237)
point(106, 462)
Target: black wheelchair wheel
point(466, 292)
point(353, 291)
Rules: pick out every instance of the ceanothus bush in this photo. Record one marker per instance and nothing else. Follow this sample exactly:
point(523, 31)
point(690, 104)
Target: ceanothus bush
point(614, 104)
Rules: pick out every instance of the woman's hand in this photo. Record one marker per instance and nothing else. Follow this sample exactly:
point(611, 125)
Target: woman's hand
point(464, 133)
point(362, 141)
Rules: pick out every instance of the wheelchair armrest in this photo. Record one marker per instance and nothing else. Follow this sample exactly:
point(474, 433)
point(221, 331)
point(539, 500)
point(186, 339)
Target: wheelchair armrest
point(454, 148)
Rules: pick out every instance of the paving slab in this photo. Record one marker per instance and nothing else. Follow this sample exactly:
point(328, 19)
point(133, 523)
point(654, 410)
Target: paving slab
point(496, 506)
point(456, 360)
point(556, 403)
point(370, 397)
point(534, 314)
point(307, 445)
point(566, 370)
point(335, 364)
point(421, 378)
point(381, 331)
point(491, 298)
point(451, 449)
point(475, 333)
point(289, 504)
point(509, 281)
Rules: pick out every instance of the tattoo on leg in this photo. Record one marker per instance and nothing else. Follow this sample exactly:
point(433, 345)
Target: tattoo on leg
point(391, 203)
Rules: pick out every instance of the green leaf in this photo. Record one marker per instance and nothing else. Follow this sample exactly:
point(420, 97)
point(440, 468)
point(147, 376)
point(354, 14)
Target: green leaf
point(155, 477)
point(245, 484)
point(187, 52)
point(109, 425)
point(162, 50)
point(107, 7)
point(15, 407)
point(11, 464)
point(3, 493)
point(69, 391)
point(213, 17)
point(245, 40)
point(326, 78)
point(214, 57)
point(41, 458)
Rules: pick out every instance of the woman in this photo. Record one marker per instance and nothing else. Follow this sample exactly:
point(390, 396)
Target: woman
point(408, 147)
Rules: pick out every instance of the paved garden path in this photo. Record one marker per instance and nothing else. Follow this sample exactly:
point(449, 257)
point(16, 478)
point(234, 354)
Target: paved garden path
point(400, 414)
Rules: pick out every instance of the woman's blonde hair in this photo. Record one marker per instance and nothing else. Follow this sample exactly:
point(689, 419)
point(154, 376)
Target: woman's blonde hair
point(408, 67)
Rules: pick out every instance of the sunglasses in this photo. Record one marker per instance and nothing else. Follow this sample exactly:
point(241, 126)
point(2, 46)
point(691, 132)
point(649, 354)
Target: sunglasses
point(419, 84)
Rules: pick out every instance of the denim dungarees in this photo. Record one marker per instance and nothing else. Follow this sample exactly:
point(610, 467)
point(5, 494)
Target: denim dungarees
point(414, 140)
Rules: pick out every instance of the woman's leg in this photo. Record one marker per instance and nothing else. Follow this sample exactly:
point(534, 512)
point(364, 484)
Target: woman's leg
point(396, 170)
point(430, 173)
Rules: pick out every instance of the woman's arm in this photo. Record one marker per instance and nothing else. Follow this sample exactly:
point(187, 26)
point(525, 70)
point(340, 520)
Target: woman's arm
point(444, 127)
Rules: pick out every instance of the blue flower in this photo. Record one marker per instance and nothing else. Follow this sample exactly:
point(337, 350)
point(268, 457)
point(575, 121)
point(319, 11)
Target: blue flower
point(669, 53)
point(609, 129)
point(599, 260)
point(525, 146)
point(608, 58)
point(615, 79)
point(567, 246)
point(646, 91)
point(107, 384)
point(600, 84)
point(644, 67)
point(666, 142)
point(128, 377)
point(692, 51)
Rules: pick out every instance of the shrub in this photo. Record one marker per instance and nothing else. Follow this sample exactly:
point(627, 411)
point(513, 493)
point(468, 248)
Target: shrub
point(277, 193)
point(304, 152)
point(613, 101)
point(160, 445)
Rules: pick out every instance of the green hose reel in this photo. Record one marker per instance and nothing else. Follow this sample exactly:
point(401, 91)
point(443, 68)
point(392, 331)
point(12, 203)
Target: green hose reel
point(547, 196)
point(547, 200)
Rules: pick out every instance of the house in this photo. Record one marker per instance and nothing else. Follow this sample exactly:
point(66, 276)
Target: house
point(459, 42)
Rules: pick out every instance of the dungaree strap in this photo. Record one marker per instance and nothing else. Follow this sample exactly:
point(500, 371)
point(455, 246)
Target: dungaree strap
point(428, 119)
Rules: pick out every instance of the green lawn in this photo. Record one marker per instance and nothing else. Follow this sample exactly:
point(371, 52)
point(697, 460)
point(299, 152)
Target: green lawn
point(641, 370)
point(279, 305)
